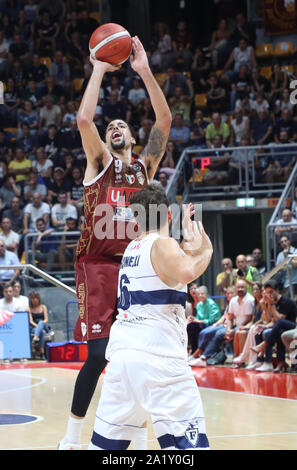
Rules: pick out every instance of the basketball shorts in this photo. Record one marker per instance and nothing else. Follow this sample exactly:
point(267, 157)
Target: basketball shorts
point(96, 287)
point(138, 385)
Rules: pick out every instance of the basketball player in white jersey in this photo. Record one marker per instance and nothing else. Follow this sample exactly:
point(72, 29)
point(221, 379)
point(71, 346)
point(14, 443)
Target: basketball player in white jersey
point(147, 372)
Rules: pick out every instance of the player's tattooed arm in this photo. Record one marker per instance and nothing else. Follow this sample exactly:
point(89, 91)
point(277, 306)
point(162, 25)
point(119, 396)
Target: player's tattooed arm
point(154, 150)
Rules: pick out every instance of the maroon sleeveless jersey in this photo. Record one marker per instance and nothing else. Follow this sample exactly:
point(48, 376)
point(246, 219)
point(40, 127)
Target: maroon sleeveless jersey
point(109, 226)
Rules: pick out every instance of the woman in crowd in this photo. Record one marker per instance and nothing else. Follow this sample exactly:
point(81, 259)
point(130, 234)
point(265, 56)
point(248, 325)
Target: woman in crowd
point(212, 338)
point(38, 315)
point(263, 322)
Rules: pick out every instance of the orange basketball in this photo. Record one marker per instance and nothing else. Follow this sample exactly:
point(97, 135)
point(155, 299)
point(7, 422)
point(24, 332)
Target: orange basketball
point(110, 43)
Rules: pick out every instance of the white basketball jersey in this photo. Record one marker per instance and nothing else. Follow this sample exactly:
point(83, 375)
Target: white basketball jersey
point(151, 315)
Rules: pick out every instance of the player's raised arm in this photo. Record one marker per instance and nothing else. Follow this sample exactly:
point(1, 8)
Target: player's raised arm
point(96, 151)
point(155, 148)
point(174, 265)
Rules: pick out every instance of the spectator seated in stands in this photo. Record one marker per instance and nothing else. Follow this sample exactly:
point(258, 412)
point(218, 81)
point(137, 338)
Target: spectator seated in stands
point(218, 171)
point(46, 34)
point(197, 131)
point(284, 103)
point(8, 236)
point(37, 74)
point(261, 128)
point(227, 278)
point(240, 159)
point(144, 131)
point(174, 80)
point(207, 313)
point(259, 83)
point(243, 29)
point(162, 53)
point(70, 115)
point(44, 246)
point(71, 141)
point(49, 114)
point(59, 183)
point(240, 127)
point(181, 45)
point(249, 274)
point(137, 93)
point(60, 70)
point(27, 142)
point(61, 211)
point(27, 115)
point(217, 127)
point(240, 85)
point(34, 94)
point(263, 322)
point(284, 312)
point(241, 315)
point(20, 167)
point(285, 123)
point(286, 224)
point(216, 94)
point(288, 281)
point(181, 104)
point(9, 190)
point(289, 338)
point(33, 186)
point(170, 159)
point(212, 338)
point(43, 165)
point(35, 210)
point(218, 45)
point(11, 103)
point(76, 189)
point(283, 159)
point(259, 103)
point(201, 66)
point(179, 133)
point(8, 258)
point(67, 247)
point(243, 54)
point(22, 300)
point(193, 297)
point(8, 302)
point(15, 215)
point(278, 82)
point(51, 142)
point(260, 263)
point(38, 315)
point(115, 109)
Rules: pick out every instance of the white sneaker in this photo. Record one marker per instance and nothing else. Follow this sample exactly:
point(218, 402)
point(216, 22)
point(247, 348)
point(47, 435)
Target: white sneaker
point(68, 446)
point(198, 362)
point(253, 365)
point(238, 360)
point(265, 367)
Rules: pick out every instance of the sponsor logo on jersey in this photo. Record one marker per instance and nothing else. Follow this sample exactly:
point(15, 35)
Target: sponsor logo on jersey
point(130, 179)
point(120, 196)
point(140, 177)
point(192, 434)
point(136, 167)
point(96, 328)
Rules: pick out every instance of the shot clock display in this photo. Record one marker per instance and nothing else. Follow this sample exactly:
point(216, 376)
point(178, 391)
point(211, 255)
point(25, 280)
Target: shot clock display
point(72, 351)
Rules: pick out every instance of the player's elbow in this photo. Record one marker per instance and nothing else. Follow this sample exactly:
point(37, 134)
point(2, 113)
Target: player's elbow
point(83, 121)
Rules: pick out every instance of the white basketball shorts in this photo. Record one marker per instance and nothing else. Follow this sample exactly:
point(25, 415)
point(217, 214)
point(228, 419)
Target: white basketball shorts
point(138, 385)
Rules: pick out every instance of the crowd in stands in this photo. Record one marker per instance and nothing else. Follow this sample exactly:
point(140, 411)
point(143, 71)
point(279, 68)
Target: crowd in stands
point(250, 318)
point(219, 95)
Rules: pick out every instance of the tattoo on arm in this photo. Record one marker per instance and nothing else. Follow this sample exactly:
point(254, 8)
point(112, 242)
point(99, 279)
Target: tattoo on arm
point(156, 144)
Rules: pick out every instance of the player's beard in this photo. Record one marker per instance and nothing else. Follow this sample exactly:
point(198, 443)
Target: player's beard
point(118, 145)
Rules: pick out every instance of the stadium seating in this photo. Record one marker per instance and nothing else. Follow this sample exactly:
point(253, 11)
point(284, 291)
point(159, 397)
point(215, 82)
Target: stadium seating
point(264, 50)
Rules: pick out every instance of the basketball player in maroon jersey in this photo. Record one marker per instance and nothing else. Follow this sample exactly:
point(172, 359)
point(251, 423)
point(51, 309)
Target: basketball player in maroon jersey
point(110, 179)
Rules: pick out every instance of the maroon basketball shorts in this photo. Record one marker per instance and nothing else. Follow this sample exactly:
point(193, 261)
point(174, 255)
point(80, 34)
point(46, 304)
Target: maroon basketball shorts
point(96, 287)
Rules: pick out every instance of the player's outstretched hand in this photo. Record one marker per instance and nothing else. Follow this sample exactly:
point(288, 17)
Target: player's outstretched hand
point(138, 59)
point(195, 238)
point(105, 66)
